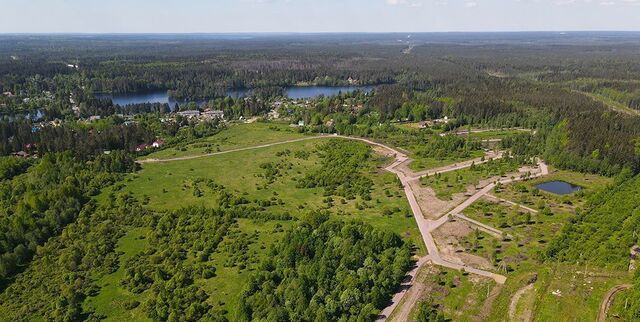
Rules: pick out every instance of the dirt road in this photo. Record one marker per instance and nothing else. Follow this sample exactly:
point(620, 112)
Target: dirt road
point(191, 157)
point(608, 299)
point(425, 226)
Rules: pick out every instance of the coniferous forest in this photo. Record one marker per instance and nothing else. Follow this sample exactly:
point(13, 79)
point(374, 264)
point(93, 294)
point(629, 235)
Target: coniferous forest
point(163, 206)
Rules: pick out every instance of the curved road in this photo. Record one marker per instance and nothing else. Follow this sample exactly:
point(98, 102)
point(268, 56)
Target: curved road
point(608, 299)
point(425, 226)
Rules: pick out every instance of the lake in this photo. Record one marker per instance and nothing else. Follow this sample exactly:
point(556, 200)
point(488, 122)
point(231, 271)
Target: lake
point(293, 92)
point(558, 187)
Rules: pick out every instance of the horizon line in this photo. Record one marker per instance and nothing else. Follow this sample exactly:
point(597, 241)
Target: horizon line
point(318, 32)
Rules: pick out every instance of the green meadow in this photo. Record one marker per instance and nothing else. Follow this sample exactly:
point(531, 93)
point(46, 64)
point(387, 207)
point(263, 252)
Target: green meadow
point(265, 176)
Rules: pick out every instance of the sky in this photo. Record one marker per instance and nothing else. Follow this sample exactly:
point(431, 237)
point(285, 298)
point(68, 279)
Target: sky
point(228, 16)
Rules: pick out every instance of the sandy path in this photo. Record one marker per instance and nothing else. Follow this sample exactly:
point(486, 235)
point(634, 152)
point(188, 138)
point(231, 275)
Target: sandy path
point(425, 226)
point(608, 299)
point(511, 203)
point(191, 157)
point(514, 302)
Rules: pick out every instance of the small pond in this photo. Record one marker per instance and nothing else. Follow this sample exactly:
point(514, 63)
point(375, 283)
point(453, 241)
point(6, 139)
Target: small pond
point(558, 187)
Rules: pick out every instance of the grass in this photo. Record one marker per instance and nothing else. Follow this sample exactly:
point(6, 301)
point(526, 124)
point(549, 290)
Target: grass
point(580, 293)
point(422, 163)
point(224, 288)
point(579, 298)
point(612, 104)
point(459, 296)
point(173, 185)
point(234, 137)
point(527, 194)
point(447, 184)
point(112, 298)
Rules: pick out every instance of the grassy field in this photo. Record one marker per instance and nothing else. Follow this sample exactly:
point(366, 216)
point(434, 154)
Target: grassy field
point(447, 184)
point(561, 292)
point(173, 185)
point(235, 136)
point(421, 163)
point(459, 296)
point(112, 299)
point(527, 194)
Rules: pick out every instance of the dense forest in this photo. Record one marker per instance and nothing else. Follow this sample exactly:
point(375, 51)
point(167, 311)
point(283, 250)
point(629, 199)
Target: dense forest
point(326, 271)
point(63, 141)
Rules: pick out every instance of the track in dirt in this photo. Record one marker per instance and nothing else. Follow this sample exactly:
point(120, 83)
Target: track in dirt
point(608, 299)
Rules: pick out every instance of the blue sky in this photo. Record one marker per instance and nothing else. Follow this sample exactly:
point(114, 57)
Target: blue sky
point(123, 16)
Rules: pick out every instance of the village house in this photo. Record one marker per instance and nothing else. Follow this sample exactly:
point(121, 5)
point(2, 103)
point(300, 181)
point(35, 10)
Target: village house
point(141, 147)
point(157, 143)
point(190, 113)
point(8, 94)
point(273, 114)
point(213, 114)
point(21, 154)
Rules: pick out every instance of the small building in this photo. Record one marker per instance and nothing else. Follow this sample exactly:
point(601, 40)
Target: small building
point(141, 147)
point(423, 125)
point(273, 114)
point(93, 118)
point(214, 114)
point(301, 123)
point(157, 143)
point(8, 94)
point(21, 154)
point(190, 113)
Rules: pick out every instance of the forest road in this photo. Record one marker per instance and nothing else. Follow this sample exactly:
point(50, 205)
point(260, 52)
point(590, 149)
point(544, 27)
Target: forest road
point(608, 299)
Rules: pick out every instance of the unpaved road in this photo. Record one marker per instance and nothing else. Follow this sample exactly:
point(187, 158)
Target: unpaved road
point(191, 157)
point(514, 303)
point(425, 226)
point(608, 299)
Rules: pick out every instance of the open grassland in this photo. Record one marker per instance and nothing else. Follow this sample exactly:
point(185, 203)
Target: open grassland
point(112, 301)
point(447, 184)
point(422, 163)
point(527, 194)
point(460, 296)
point(234, 137)
point(561, 292)
point(267, 177)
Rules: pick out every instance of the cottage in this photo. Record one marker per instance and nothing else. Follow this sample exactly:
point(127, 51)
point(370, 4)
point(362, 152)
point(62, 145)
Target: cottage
point(190, 113)
point(141, 147)
point(273, 114)
point(8, 94)
point(214, 114)
point(21, 154)
point(423, 125)
point(157, 143)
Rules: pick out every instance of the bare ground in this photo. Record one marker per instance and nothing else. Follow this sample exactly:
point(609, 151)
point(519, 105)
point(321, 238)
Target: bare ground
point(448, 239)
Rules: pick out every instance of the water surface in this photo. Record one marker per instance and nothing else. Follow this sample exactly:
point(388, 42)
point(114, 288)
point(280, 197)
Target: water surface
point(293, 92)
point(559, 187)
